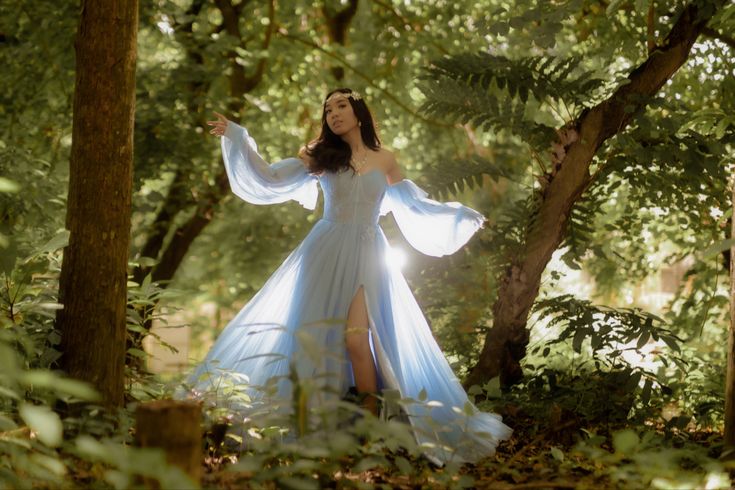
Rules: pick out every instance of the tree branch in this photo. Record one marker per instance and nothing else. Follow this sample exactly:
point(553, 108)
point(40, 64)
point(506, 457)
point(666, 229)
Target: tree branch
point(230, 19)
point(339, 23)
point(337, 27)
point(252, 81)
point(505, 343)
point(715, 34)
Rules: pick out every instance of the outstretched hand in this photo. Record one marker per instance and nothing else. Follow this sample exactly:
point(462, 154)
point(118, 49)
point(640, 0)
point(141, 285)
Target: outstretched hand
point(219, 126)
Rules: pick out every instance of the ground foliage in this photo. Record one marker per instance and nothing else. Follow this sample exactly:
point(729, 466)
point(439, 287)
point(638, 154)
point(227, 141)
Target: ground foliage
point(469, 94)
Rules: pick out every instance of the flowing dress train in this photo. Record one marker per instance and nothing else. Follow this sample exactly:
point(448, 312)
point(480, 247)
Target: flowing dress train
point(294, 326)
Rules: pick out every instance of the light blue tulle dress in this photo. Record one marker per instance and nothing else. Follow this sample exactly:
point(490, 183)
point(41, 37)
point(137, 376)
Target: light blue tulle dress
point(294, 326)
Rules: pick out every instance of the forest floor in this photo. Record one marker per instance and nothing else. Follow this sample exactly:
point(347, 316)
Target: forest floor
point(533, 458)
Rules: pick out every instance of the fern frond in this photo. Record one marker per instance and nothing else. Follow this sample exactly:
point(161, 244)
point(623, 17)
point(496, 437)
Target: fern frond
point(460, 174)
point(546, 77)
point(453, 100)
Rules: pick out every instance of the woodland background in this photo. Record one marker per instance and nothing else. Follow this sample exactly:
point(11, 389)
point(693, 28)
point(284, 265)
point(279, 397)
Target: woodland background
point(592, 311)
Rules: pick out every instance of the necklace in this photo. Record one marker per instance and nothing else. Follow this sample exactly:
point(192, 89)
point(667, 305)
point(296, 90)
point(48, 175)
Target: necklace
point(357, 165)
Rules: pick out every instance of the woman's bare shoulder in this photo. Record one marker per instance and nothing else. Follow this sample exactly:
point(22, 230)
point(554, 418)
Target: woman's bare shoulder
point(389, 164)
point(388, 158)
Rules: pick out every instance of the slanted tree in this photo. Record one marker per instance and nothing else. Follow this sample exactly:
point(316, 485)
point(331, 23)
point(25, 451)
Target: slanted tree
point(491, 92)
point(94, 271)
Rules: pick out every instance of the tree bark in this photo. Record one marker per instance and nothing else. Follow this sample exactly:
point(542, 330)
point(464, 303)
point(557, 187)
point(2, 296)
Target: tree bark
point(505, 343)
point(730, 379)
point(94, 272)
point(175, 427)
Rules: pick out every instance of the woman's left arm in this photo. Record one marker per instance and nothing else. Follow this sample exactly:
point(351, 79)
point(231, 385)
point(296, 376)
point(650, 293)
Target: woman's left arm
point(431, 227)
point(393, 171)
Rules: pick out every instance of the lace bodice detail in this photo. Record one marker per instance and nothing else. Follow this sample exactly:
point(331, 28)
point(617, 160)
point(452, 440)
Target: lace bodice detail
point(353, 198)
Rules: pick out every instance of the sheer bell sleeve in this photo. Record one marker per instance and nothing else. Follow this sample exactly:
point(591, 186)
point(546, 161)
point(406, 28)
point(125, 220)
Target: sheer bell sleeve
point(253, 180)
point(431, 227)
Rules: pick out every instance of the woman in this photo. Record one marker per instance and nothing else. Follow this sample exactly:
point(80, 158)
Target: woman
point(336, 314)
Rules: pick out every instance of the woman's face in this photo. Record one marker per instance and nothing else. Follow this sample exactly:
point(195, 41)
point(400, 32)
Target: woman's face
point(338, 112)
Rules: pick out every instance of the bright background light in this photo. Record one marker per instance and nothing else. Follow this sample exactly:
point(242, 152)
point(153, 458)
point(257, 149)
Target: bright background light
point(395, 257)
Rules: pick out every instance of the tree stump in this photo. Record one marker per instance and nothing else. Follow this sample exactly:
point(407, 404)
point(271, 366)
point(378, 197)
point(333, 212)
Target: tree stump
point(175, 427)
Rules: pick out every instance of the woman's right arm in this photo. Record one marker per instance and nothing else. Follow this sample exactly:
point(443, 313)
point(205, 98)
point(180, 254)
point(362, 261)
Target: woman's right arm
point(252, 178)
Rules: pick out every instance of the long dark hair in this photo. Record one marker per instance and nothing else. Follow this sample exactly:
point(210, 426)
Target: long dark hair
point(329, 152)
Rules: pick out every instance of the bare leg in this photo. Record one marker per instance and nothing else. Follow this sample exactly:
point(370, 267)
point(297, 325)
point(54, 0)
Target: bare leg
point(358, 348)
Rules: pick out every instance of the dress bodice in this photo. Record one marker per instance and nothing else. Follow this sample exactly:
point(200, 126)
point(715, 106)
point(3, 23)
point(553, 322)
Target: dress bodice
point(353, 198)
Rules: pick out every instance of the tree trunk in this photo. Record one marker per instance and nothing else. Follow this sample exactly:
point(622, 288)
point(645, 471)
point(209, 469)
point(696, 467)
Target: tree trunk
point(730, 380)
point(94, 272)
point(338, 24)
point(175, 427)
point(505, 344)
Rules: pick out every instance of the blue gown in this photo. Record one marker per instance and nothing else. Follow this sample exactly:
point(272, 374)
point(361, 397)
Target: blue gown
point(294, 326)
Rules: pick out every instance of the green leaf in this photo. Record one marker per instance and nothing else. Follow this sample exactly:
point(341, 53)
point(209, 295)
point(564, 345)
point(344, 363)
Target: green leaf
point(404, 467)
point(595, 341)
point(50, 463)
point(9, 256)
point(643, 339)
point(717, 248)
point(8, 186)
point(579, 336)
point(557, 453)
point(646, 393)
point(366, 464)
point(468, 409)
point(39, 378)
point(625, 442)
point(147, 261)
point(613, 6)
point(137, 353)
point(8, 393)
point(492, 388)
point(475, 390)
point(423, 395)
point(44, 422)
point(634, 380)
point(7, 423)
point(250, 464)
point(671, 342)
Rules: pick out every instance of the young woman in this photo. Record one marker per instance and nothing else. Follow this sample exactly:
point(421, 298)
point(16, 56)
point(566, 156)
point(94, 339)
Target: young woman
point(336, 313)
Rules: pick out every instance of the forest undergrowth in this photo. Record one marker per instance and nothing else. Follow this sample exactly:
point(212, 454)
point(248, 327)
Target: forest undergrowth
point(585, 416)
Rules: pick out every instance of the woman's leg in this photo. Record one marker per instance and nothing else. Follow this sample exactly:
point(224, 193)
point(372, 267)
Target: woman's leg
point(358, 347)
